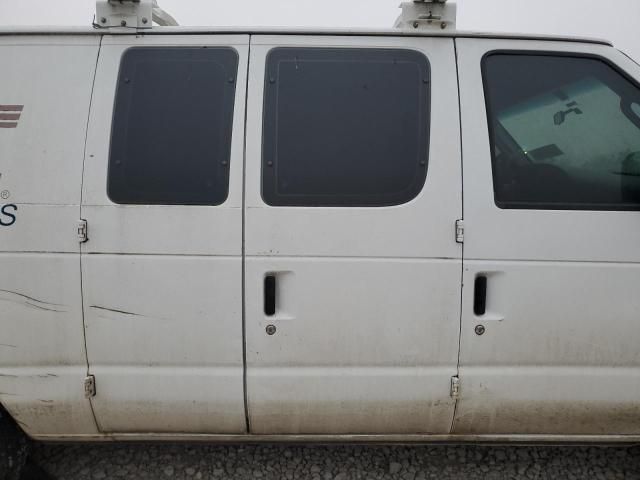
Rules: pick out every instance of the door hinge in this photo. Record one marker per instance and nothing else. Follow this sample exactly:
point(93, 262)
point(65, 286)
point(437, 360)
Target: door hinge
point(90, 386)
point(455, 387)
point(83, 231)
point(460, 231)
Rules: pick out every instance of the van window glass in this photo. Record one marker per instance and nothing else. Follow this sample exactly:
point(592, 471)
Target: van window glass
point(172, 123)
point(345, 127)
point(565, 133)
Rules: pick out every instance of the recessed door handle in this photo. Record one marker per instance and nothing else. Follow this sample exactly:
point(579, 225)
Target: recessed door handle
point(480, 296)
point(270, 295)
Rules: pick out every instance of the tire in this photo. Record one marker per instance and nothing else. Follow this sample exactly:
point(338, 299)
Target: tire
point(14, 448)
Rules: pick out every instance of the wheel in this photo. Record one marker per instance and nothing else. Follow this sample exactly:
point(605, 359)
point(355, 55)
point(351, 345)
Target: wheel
point(14, 448)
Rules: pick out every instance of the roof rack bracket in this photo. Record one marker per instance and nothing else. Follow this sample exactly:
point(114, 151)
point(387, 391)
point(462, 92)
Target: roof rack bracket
point(427, 15)
point(131, 14)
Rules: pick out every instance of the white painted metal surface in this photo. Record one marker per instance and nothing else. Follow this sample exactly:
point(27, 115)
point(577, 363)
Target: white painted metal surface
point(367, 323)
point(560, 350)
point(42, 351)
point(173, 362)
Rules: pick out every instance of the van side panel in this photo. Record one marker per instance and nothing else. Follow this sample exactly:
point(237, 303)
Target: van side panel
point(45, 92)
point(162, 284)
point(364, 337)
point(559, 354)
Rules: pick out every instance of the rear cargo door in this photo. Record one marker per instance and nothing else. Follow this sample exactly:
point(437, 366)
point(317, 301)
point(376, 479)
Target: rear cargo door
point(162, 266)
point(352, 271)
point(45, 94)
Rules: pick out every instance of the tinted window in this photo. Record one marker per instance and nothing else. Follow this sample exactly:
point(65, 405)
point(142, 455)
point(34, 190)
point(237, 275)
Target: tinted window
point(345, 127)
point(171, 136)
point(565, 133)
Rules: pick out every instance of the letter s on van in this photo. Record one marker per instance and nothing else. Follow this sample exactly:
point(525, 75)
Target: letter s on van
point(6, 218)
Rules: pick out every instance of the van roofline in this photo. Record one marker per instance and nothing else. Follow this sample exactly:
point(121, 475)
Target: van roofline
point(48, 30)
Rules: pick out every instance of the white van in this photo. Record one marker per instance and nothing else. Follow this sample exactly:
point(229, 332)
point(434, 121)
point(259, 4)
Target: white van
point(412, 234)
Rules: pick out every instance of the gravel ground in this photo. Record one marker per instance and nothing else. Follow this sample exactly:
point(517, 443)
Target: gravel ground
point(188, 462)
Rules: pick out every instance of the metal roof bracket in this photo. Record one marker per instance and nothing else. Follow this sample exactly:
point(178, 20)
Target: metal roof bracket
point(131, 14)
point(427, 15)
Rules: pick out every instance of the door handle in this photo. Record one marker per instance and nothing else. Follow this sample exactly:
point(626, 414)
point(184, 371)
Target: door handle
point(480, 296)
point(270, 295)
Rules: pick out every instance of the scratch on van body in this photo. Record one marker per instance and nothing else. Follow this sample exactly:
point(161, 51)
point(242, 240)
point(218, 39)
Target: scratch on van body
point(8, 345)
point(31, 298)
point(31, 302)
point(127, 314)
point(39, 307)
point(7, 375)
point(123, 312)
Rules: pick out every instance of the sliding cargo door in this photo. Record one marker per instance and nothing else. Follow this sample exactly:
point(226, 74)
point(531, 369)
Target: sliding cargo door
point(162, 267)
point(352, 271)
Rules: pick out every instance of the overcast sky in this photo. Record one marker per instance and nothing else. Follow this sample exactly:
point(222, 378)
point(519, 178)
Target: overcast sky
point(616, 20)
